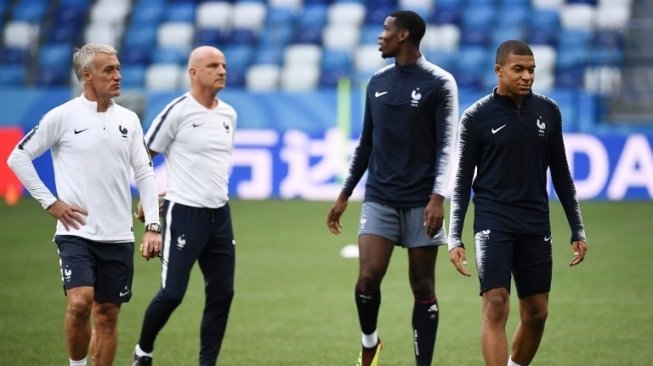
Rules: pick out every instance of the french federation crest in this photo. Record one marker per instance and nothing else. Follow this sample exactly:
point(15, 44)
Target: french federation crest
point(541, 126)
point(415, 97)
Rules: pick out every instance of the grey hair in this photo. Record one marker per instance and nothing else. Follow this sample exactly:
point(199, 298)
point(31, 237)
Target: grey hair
point(83, 57)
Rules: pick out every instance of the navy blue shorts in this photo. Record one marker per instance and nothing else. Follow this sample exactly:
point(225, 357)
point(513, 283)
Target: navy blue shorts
point(107, 267)
point(529, 258)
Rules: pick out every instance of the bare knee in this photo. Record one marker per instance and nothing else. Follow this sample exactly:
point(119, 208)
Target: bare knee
point(105, 316)
point(368, 283)
point(536, 318)
point(79, 308)
point(496, 305)
point(423, 288)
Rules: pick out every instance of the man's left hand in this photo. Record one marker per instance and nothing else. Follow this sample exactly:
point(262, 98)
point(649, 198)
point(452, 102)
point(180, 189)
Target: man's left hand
point(434, 215)
point(579, 248)
point(151, 245)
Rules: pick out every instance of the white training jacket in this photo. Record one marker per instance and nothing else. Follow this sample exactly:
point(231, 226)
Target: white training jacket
point(92, 154)
point(197, 143)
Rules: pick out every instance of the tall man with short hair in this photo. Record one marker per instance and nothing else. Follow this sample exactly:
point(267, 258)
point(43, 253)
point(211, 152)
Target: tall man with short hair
point(195, 132)
point(510, 138)
point(411, 112)
point(94, 143)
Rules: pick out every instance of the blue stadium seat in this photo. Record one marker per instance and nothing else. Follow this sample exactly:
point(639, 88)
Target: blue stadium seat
point(544, 26)
point(140, 35)
point(313, 15)
point(443, 58)
point(63, 32)
point(505, 3)
point(14, 55)
point(69, 13)
point(133, 75)
point(30, 3)
point(570, 78)
point(267, 54)
point(239, 58)
point(606, 56)
point(589, 2)
point(370, 33)
point(135, 55)
point(84, 4)
point(12, 75)
point(378, 11)
point(4, 8)
point(574, 39)
point(66, 24)
point(502, 34)
point(447, 12)
point(308, 34)
point(239, 54)
point(608, 38)
point(476, 22)
point(209, 36)
point(570, 57)
point(236, 76)
point(279, 16)
point(52, 77)
point(145, 12)
point(473, 3)
point(277, 35)
point(170, 55)
point(513, 14)
point(55, 56)
point(242, 36)
point(472, 64)
point(29, 11)
point(180, 12)
point(310, 23)
point(334, 65)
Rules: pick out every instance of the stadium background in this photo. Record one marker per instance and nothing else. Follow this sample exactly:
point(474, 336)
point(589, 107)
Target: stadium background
point(297, 69)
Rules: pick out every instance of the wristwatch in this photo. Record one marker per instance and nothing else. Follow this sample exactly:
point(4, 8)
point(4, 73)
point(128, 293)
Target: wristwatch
point(155, 228)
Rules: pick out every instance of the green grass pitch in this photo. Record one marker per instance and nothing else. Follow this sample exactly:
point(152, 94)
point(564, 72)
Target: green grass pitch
point(294, 294)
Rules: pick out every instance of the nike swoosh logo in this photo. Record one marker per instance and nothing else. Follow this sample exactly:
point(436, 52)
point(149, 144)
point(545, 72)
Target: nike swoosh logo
point(378, 94)
point(196, 124)
point(547, 238)
point(80, 131)
point(123, 293)
point(495, 130)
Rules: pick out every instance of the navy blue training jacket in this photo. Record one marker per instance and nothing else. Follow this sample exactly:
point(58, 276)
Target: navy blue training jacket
point(511, 149)
point(411, 113)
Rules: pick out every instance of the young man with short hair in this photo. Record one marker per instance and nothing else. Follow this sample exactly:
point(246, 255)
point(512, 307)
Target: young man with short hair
point(411, 112)
point(510, 139)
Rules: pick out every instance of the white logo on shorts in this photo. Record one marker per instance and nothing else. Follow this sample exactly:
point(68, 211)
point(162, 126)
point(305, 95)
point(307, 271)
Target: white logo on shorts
point(124, 293)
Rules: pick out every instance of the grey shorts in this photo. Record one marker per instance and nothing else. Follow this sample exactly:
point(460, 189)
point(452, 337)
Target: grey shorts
point(403, 226)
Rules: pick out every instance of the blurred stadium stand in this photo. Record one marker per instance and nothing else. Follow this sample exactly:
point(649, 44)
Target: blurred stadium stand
point(597, 46)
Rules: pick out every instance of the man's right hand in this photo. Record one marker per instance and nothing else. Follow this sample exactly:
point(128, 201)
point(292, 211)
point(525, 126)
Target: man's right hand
point(70, 216)
point(333, 219)
point(457, 257)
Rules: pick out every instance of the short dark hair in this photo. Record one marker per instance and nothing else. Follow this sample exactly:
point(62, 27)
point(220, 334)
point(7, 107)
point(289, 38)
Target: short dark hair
point(412, 22)
point(512, 47)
